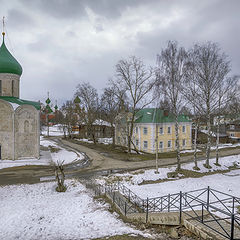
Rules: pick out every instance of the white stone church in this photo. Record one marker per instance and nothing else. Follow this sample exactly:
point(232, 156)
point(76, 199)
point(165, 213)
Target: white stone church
point(19, 119)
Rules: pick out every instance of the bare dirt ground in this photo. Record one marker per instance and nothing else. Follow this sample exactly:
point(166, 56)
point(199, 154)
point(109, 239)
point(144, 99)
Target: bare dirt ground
point(100, 163)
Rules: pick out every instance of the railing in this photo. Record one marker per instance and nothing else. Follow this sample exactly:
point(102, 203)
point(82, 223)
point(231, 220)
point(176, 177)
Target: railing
point(205, 205)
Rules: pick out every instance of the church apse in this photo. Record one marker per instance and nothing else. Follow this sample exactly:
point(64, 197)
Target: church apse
point(26, 132)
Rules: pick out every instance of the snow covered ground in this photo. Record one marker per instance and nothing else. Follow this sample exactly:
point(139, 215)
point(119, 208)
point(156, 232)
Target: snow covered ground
point(137, 177)
point(47, 157)
point(37, 212)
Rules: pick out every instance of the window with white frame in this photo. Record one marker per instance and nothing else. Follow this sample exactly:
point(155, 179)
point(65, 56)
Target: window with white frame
point(184, 142)
point(183, 128)
point(161, 130)
point(232, 134)
point(137, 142)
point(160, 145)
point(136, 129)
point(145, 144)
point(232, 127)
point(169, 129)
point(169, 144)
point(145, 130)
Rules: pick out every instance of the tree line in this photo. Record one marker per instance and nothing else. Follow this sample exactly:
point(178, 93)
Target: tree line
point(196, 80)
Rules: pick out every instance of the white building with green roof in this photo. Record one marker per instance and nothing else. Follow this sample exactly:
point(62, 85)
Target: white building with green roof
point(19, 119)
point(151, 124)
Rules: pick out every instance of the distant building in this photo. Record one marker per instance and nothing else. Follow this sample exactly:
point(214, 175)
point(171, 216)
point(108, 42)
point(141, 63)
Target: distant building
point(100, 128)
point(152, 123)
point(233, 130)
point(19, 119)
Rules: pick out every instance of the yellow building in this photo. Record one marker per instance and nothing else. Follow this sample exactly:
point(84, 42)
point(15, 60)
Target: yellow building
point(151, 124)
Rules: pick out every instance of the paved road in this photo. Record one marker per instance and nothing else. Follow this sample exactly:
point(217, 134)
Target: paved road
point(98, 164)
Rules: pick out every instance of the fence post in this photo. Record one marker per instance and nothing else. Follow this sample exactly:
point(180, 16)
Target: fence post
point(208, 193)
point(202, 212)
point(161, 204)
point(233, 205)
point(125, 208)
point(147, 212)
point(168, 202)
point(113, 197)
point(180, 208)
point(129, 195)
point(232, 226)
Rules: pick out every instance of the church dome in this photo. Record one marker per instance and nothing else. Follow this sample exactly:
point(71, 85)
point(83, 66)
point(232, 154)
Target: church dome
point(8, 64)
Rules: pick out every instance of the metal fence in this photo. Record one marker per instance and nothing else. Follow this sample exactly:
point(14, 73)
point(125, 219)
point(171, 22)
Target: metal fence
point(220, 208)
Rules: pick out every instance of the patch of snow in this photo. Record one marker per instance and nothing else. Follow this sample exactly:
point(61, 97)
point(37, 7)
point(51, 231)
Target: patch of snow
point(189, 151)
point(37, 212)
point(47, 158)
point(137, 177)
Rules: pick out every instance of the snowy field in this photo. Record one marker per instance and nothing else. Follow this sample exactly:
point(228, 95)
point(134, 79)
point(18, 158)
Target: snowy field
point(37, 212)
point(47, 157)
point(137, 177)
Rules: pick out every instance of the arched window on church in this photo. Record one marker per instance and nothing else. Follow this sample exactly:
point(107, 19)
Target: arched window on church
point(26, 126)
point(12, 87)
point(0, 87)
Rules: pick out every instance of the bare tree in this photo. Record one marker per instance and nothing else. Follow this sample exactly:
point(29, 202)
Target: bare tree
point(211, 68)
point(135, 80)
point(226, 92)
point(90, 106)
point(110, 106)
point(69, 119)
point(170, 75)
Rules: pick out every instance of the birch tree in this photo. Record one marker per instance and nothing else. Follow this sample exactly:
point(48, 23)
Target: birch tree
point(89, 102)
point(211, 68)
point(136, 81)
point(110, 106)
point(170, 75)
point(227, 91)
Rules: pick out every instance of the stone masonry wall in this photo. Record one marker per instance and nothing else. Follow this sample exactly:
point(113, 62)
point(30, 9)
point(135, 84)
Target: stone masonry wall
point(26, 132)
point(9, 80)
point(6, 130)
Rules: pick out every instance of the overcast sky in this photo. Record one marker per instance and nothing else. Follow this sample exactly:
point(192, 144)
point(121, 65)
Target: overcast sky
point(62, 43)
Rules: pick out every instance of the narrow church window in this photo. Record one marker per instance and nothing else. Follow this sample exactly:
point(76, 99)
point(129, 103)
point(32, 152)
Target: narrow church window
point(12, 87)
point(0, 87)
point(26, 126)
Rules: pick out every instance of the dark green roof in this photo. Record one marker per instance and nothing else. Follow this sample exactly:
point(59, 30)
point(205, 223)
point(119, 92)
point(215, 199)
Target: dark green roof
point(20, 101)
point(155, 115)
point(8, 64)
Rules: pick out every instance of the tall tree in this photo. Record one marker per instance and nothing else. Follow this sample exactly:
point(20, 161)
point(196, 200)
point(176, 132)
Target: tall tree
point(135, 80)
point(110, 106)
point(211, 68)
point(89, 103)
point(170, 75)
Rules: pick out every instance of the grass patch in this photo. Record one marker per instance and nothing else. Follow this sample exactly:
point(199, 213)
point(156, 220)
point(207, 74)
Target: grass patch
point(54, 149)
point(124, 237)
point(120, 152)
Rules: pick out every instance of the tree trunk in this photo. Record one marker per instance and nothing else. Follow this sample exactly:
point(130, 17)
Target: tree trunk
point(177, 143)
point(217, 144)
point(195, 147)
point(113, 136)
point(208, 148)
point(156, 146)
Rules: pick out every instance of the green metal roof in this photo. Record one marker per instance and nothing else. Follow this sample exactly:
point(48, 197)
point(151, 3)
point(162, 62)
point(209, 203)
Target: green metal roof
point(155, 115)
point(8, 64)
point(20, 101)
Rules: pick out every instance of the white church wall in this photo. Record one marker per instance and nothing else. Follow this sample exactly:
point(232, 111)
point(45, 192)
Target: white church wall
point(26, 132)
point(6, 130)
point(10, 84)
